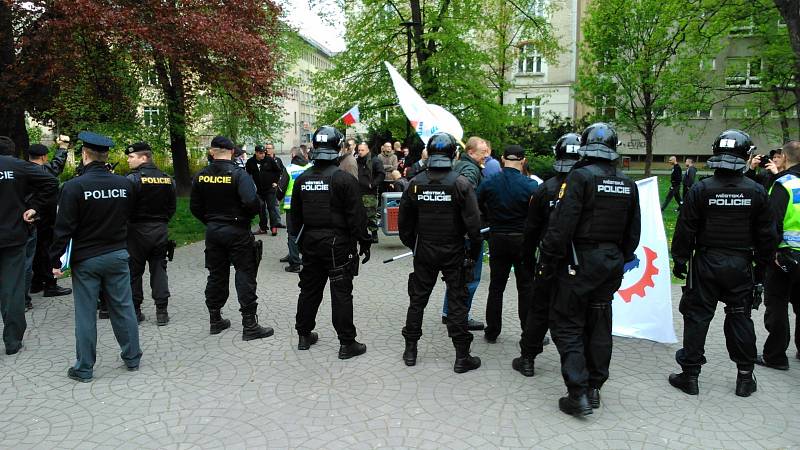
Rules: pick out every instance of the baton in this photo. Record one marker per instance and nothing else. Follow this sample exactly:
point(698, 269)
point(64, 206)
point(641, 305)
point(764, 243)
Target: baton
point(299, 233)
point(572, 269)
point(407, 254)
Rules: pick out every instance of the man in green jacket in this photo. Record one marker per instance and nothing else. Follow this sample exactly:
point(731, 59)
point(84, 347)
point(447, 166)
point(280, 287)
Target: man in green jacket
point(469, 166)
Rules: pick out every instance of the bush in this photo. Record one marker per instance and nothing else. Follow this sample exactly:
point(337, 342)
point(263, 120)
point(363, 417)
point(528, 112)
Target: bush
point(541, 165)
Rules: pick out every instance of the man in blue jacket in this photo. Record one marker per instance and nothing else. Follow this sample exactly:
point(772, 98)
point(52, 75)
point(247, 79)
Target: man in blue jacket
point(504, 198)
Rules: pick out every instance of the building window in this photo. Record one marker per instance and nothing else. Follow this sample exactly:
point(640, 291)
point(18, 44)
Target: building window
point(607, 110)
point(530, 61)
point(709, 64)
point(539, 8)
point(703, 114)
point(743, 72)
point(743, 27)
point(150, 78)
point(530, 108)
point(150, 116)
point(740, 112)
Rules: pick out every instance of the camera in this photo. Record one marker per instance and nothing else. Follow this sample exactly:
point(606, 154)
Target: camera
point(764, 161)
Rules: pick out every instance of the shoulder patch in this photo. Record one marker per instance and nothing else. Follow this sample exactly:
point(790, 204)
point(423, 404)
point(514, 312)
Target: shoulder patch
point(562, 190)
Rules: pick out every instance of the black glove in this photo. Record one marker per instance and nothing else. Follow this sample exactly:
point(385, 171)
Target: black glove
point(364, 247)
point(469, 270)
point(545, 270)
point(680, 270)
point(475, 248)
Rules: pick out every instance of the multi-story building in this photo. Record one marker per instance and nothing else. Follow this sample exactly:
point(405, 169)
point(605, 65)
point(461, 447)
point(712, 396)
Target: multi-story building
point(539, 88)
point(299, 104)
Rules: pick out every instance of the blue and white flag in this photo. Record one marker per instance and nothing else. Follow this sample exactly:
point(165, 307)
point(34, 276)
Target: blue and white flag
point(65, 258)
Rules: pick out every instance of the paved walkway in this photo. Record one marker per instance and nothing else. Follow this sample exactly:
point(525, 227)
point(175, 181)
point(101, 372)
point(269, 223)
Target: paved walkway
point(200, 391)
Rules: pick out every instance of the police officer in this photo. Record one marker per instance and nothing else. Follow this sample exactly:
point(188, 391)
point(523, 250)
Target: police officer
point(93, 212)
point(505, 200)
point(541, 204)
point(436, 210)
point(726, 222)
point(783, 278)
point(18, 179)
point(43, 279)
point(328, 217)
point(593, 231)
point(147, 234)
point(224, 198)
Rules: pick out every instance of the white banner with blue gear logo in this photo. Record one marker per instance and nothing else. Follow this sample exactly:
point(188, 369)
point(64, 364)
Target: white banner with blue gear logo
point(643, 305)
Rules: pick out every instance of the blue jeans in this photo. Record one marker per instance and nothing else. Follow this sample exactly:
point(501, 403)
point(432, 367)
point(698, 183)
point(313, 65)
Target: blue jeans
point(30, 252)
point(294, 249)
point(471, 286)
point(109, 272)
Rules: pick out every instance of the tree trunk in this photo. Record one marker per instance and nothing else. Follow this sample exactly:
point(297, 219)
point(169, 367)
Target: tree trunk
point(171, 80)
point(776, 100)
point(12, 113)
point(428, 86)
point(648, 149)
point(790, 11)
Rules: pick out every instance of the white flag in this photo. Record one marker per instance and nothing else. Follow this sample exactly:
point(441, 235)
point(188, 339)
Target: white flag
point(643, 305)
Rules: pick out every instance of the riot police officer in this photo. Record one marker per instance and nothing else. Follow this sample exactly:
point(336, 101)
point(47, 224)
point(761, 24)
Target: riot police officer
point(436, 211)
point(224, 198)
point(329, 219)
point(147, 234)
point(726, 222)
point(596, 226)
point(93, 212)
point(541, 204)
point(782, 281)
point(18, 179)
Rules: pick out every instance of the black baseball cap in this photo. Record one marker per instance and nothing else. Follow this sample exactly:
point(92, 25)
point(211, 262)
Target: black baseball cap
point(138, 147)
point(222, 142)
point(514, 153)
point(38, 150)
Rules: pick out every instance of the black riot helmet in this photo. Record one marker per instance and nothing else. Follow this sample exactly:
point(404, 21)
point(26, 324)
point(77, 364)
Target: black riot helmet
point(599, 140)
point(566, 152)
point(441, 150)
point(731, 150)
point(326, 142)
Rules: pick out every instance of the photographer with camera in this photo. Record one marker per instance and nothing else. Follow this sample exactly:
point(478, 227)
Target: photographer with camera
point(770, 164)
point(783, 276)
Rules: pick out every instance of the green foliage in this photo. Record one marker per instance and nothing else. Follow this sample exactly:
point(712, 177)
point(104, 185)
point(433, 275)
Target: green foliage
point(460, 52)
point(34, 133)
point(643, 58)
point(184, 228)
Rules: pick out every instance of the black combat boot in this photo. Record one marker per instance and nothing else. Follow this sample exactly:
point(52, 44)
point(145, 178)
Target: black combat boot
point(465, 362)
point(523, 365)
point(685, 382)
point(745, 384)
point(305, 342)
point(410, 355)
point(594, 397)
point(56, 291)
point(352, 349)
point(252, 330)
point(217, 322)
point(162, 316)
point(575, 405)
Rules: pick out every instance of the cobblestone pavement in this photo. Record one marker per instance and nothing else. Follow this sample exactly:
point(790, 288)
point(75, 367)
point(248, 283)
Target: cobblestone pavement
point(195, 390)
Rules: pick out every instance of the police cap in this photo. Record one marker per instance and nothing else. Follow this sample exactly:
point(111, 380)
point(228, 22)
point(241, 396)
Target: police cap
point(38, 150)
point(138, 147)
point(222, 142)
point(94, 141)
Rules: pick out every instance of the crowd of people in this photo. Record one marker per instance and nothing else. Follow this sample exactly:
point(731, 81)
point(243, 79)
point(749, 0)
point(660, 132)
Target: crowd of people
point(567, 241)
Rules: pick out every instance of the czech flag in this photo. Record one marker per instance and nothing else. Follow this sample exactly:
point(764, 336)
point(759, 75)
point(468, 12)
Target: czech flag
point(351, 116)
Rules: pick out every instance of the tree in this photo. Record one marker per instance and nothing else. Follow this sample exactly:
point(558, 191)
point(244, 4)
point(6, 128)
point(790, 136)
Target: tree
point(790, 11)
point(193, 47)
point(446, 49)
point(645, 59)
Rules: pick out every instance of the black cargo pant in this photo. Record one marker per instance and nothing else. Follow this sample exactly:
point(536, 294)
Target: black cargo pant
point(147, 244)
point(718, 275)
point(506, 251)
point(42, 270)
point(327, 254)
point(430, 259)
point(537, 320)
point(581, 316)
point(781, 289)
point(226, 244)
